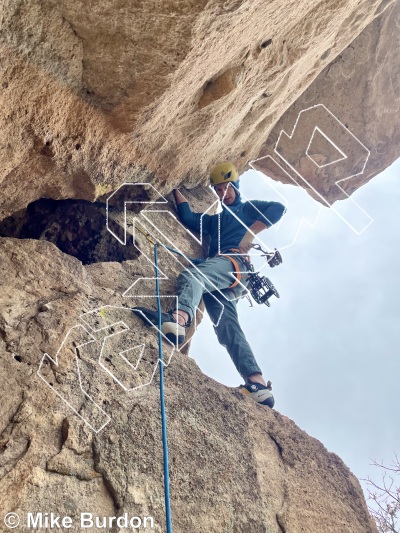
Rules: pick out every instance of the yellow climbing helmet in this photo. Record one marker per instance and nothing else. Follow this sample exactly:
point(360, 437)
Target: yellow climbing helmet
point(223, 172)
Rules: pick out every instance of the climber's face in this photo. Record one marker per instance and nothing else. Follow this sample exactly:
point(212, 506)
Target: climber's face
point(226, 193)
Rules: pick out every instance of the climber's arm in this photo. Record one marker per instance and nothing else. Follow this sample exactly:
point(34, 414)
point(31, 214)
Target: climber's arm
point(179, 198)
point(267, 214)
point(245, 244)
point(194, 221)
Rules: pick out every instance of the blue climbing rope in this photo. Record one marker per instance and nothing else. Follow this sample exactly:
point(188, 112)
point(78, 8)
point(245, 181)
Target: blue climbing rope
point(194, 260)
point(163, 415)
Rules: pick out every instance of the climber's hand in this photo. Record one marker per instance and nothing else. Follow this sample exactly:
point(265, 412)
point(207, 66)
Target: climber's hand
point(246, 243)
point(179, 198)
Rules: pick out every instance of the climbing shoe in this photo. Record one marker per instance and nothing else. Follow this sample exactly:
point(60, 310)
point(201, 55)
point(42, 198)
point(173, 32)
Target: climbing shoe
point(259, 393)
point(169, 326)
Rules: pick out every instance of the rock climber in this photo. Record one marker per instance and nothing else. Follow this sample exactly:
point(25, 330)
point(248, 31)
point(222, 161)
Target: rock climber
point(221, 278)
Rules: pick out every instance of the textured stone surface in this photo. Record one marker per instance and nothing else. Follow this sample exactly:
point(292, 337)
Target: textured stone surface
point(361, 87)
point(235, 466)
point(96, 95)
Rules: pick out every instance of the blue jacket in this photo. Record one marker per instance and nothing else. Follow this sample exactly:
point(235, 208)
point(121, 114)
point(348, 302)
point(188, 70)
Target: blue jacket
point(230, 227)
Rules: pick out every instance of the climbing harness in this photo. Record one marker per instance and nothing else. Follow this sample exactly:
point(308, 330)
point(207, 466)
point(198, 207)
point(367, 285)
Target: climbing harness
point(236, 267)
point(260, 287)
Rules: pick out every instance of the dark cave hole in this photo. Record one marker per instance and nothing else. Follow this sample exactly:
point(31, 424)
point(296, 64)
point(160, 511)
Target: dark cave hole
point(76, 227)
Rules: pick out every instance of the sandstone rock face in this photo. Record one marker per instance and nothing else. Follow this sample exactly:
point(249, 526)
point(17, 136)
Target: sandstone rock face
point(361, 88)
point(234, 466)
point(94, 96)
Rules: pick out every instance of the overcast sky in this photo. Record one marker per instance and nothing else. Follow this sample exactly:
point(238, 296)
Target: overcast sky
point(331, 342)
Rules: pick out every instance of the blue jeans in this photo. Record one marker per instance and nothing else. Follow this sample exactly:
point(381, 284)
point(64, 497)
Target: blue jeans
point(211, 280)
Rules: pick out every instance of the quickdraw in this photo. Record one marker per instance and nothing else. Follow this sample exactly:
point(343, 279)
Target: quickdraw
point(273, 258)
point(260, 287)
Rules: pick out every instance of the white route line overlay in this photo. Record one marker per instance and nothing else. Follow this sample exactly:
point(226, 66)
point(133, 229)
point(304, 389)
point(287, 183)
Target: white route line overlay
point(344, 156)
point(304, 220)
point(162, 201)
point(174, 256)
point(163, 276)
point(80, 327)
point(55, 361)
point(178, 260)
point(125, 327)
point(326, 201)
